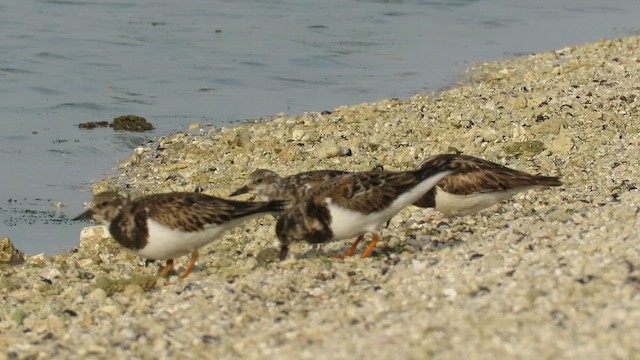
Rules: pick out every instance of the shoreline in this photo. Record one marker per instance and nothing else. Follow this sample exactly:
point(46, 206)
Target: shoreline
point(552, 273)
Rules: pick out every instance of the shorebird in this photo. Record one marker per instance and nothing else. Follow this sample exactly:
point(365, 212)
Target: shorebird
point(354, 204)
point(168, 225)
point(269, 185)
point(478, 184)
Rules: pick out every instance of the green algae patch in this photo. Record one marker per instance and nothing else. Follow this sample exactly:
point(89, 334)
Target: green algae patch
point(267, 255)
point(524, 148)
point(9, 284)
point(18, 316)
point(131, 123)
point(112, 286)
point(89, 125)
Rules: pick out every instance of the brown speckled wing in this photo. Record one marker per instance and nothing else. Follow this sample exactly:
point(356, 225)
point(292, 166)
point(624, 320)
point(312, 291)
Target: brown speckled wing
point(299, 184)
point(475, 175)
point(193, 211)
point(365, 192)
point(314, 176)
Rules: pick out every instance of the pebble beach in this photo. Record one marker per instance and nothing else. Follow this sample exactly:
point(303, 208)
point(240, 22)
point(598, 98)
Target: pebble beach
point(553, 273)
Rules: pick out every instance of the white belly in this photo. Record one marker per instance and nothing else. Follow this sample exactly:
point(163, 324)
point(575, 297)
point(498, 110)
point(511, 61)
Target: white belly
point(347, 223)
point(468, 204)
point(166, 243)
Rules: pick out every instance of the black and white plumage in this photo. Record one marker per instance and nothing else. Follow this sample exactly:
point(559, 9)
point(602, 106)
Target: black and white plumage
point(354, 204)
point(168, 225)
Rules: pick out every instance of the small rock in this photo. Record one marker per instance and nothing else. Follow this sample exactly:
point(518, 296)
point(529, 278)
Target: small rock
point(267, 255)
point(329, 149)
point(242, 138)
point(49, 273)
point(493, 260)
point(195, 126)
point(558, 215)
point(297, 135)
point(489, 105)
point(552, 126)
point(84, 262)
point(38, 259)
point(112, 310)
point(589, 248)
point(519, 133)
point(289, 153)
point(98, 296)
point(450, 293)
point(93, 234)
point(489, 135)
point(624, 213)
point(631, 198)
point(8, 252)
point(562, 144)
point(520, 102)
point(55, 324)
point(133, 160)
point(419, 265)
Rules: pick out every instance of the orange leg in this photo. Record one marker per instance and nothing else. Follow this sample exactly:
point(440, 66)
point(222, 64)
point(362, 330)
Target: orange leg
point(351, 250)
point(354, 246)
point(167, 268)
point(192, 262)
point(374, 240)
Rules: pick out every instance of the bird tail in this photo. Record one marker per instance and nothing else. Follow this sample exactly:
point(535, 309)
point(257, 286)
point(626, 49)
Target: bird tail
point(276, 205)
point(548, 180)
point(253, 208)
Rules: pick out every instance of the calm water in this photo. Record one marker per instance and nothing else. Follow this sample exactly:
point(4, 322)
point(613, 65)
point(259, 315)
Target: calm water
point(63, 62)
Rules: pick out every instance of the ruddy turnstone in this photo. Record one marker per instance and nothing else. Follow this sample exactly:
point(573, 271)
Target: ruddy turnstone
point(478, 184)
point(269, 185)
point(165, 226)
point(354, 204)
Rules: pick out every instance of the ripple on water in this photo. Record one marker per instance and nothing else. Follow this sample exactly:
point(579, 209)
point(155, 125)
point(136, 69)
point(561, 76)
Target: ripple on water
point(303, 81)
point(51, 55)
point(16, 71)
point(44, 90)
point(60, 152)
point(133, 100)
point(81, 105)
point(252, 63)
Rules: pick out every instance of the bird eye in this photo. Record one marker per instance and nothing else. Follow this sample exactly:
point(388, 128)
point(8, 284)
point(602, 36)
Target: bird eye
point(104, 203)
point(259, 180)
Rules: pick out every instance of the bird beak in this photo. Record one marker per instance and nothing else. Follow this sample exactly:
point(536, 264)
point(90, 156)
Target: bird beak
point(242, 190)
point(85, 215)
